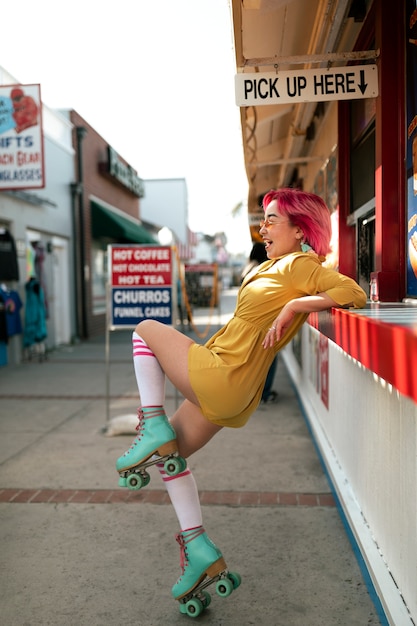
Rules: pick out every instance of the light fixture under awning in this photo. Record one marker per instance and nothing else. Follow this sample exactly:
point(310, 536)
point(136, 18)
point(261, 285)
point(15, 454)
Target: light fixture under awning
point(109, 224)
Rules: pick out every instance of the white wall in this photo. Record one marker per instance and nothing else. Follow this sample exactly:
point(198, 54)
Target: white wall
point(166, 204)
point(368, 441)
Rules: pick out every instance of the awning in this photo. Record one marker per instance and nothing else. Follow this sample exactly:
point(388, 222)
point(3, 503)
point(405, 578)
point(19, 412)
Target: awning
point(112, 225)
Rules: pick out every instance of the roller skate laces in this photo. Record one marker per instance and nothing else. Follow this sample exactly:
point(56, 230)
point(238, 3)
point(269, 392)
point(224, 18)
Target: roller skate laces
point(183, 541)
point(141, 426)
point(155, 442)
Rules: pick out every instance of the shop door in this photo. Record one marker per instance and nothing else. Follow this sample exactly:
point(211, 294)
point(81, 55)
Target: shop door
point(61, 301)
point(366, 249)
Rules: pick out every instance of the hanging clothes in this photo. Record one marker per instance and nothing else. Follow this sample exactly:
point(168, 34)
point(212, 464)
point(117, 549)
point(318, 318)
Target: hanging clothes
point(9, 268)
point(40, 272)
point(3, 333)
point(30, 260)
point(12, 305)
point(35, 324)
point(3, 323)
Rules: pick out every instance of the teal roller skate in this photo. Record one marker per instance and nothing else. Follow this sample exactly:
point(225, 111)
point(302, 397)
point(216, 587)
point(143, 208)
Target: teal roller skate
point(202, 564)
point(156, 441)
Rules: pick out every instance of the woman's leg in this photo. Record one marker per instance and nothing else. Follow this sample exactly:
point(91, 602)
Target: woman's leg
point(267, 391)
point(200, 557)
point(160, 350)
point(188, 427)
point(192, 428)
point(192, 434)
point(170, 348)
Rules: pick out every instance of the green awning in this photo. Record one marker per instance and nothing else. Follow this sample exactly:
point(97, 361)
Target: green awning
point(112, 225)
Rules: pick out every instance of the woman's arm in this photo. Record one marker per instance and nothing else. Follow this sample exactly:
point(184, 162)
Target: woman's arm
point(327, 287)
point(305, 304)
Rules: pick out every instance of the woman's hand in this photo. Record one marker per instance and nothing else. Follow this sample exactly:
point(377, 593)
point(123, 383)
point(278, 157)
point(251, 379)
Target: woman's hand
point(280, 325)
point(305, 304)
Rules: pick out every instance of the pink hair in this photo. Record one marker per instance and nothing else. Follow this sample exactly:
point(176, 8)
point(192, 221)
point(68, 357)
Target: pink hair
point(307, 211)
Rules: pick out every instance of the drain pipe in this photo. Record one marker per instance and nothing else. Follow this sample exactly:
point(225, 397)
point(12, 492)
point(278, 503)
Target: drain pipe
point(77, 190)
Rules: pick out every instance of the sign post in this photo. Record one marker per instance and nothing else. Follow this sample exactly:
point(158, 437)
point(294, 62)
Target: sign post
point(141, 280)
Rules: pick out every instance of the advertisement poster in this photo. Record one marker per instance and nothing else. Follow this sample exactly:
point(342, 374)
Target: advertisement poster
point(324, 369)
point(319, 364)
point(21, 138)
point(411, 86)
point(140, 279)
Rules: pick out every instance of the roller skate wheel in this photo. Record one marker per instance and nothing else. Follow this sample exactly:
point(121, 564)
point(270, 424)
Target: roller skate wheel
point(194, 607)
point(173, 467)
point(235, 578)
point(206, 600)
point(183, 463)
point(137, 481)
point(224, 587)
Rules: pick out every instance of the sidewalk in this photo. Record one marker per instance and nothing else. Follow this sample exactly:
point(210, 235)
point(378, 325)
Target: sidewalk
point(76, 550)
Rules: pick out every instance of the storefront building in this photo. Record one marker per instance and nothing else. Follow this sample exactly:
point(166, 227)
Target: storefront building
point(354, 144)
point(65, 194)
point(38, 222)
point(106, 205)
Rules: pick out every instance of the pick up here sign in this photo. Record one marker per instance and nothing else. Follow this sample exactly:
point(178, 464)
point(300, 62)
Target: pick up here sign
point(313, 85)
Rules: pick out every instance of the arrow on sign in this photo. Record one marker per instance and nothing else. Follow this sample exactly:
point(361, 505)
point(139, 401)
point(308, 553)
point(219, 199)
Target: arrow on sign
point(362, 85)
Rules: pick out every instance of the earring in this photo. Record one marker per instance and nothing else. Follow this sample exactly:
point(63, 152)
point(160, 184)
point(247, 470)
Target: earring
point(305, 247)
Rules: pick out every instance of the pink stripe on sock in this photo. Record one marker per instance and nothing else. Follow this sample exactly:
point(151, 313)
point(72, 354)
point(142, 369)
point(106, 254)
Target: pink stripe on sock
point(167, 479)
point(140, 348)
point(137, 352)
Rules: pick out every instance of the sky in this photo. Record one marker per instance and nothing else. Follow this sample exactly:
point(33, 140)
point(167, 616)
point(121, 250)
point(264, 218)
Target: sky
point(155, 78)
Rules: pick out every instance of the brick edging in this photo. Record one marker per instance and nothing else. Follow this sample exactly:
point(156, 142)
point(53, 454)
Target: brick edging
point(156, 496)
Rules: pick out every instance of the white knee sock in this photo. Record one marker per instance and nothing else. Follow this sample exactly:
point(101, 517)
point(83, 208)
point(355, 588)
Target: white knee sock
point(150, 377)
point(182, 488)
point(183, 493)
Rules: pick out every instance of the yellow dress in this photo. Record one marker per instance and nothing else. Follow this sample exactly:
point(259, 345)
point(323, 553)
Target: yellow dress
point(228, 373)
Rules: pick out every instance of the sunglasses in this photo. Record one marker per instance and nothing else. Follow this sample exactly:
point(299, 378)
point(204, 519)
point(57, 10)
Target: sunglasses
point(271, 221)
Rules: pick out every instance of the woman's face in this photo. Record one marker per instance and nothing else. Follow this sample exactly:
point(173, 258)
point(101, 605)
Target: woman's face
point(280, 236)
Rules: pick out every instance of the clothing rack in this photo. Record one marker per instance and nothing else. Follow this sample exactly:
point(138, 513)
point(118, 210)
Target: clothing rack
point(35, 351)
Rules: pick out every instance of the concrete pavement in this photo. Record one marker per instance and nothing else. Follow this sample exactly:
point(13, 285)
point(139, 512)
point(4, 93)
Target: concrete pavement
point(77, 550)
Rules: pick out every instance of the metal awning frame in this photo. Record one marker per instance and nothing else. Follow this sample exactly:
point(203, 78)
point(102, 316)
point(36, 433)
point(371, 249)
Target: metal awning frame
point(330, 57)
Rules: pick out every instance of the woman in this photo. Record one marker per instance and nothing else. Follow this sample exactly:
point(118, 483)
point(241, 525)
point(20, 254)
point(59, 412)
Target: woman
point(222, 381)
point(258, 255)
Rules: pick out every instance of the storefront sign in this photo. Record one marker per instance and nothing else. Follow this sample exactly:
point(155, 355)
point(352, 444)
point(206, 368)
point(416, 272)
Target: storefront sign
point(125, 174)
point(141, 281)
point(21, 138)
point(314, 85)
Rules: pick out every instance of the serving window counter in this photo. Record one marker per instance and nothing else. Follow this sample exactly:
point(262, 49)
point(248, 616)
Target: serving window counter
point(355, 372)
